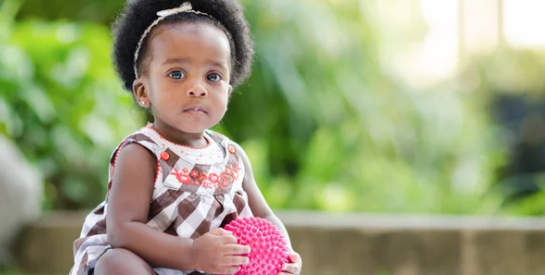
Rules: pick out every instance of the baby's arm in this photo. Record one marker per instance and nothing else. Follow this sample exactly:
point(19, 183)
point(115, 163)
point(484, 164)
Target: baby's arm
point(128, 208)
point(261, 209)
point(257, 202)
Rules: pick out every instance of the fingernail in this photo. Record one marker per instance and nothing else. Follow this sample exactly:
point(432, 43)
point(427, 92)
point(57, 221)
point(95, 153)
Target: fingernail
point(284, 266)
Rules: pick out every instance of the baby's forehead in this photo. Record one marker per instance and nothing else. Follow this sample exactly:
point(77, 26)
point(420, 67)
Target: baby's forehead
point(179, 32)
point(190, 40)
point(177, 26)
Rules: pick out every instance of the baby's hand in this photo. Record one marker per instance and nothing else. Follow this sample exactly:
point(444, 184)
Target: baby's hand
point(295, 265)
point(217, 252)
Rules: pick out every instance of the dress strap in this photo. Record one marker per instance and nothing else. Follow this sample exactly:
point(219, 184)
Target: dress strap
point(220, 139)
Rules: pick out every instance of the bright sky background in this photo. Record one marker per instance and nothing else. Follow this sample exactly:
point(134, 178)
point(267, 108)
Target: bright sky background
point(437, 57)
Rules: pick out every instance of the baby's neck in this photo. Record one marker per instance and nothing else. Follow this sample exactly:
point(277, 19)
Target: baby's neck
point(195, 140)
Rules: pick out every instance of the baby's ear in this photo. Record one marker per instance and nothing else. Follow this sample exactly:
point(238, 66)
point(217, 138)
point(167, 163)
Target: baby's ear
point(230, 91)
point(140, 93)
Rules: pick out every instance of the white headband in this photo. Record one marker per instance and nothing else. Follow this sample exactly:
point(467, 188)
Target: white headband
point(185, 7)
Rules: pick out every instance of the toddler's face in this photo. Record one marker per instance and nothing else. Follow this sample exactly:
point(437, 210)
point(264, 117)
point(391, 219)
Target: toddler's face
point(187, 81)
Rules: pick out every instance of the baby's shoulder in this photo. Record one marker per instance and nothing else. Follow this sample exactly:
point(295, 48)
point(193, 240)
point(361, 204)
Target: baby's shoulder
point(140, 137)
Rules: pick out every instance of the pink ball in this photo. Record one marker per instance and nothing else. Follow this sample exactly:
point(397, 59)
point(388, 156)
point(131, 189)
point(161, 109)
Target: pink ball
point(269, 249)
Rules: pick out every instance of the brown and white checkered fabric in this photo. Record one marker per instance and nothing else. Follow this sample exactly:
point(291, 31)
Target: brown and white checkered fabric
point(189, 200)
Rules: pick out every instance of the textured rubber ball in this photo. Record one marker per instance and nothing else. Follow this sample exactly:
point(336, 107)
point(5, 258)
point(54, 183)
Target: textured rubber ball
point(269, 250)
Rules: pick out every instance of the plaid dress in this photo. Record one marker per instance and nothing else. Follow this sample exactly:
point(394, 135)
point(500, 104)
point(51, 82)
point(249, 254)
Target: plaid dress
point(196, 190)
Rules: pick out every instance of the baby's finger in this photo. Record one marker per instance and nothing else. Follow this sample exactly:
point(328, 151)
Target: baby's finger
point(235, 249)
point(228, 270)
point(220, 232)
point(234, 260)
point(229, 239)
point(294, 258)
point(291, 268)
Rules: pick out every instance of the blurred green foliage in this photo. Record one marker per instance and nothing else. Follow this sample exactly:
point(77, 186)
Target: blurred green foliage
point(347, 135)
point(514, 78)
point(62, 104)
point(326, 124)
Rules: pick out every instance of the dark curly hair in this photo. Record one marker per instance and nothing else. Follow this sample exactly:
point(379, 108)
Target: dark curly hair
point(138, 15)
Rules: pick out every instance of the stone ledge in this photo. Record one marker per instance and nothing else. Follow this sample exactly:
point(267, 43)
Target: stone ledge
point(353, 244)
point(381, 221)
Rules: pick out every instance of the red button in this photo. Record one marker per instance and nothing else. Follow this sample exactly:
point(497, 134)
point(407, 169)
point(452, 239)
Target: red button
point(165, 156)
point(231, 149)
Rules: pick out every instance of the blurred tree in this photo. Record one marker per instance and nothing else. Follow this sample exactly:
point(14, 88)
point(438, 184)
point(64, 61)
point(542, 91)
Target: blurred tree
point(62, 104)
point(510, 84)
point(97, 11)
point(326, 124)
point(348, 135)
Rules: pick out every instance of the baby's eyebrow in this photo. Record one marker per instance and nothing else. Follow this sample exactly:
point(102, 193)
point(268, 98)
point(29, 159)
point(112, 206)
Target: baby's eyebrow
point(217, 64)
point(186, 60)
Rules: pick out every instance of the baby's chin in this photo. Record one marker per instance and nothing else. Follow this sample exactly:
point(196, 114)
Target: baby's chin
point(190, 123)
point(194, 127)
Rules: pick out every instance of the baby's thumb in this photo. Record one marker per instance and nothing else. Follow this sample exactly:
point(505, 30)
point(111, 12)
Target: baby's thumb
point(294, 258)
point(221, 232)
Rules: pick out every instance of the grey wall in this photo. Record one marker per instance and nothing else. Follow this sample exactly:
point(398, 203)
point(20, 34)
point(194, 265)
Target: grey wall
point(353, 244)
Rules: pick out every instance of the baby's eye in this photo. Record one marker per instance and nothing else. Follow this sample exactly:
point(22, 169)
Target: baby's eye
point(176, 74)
point(214, 77)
